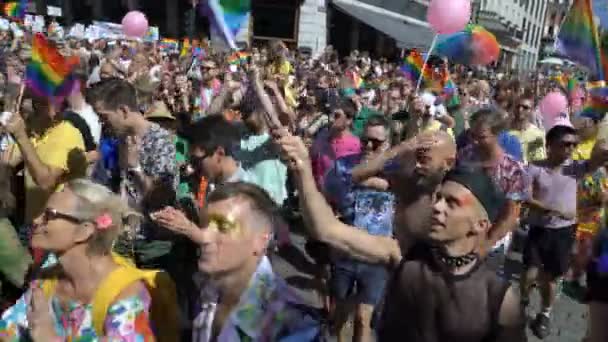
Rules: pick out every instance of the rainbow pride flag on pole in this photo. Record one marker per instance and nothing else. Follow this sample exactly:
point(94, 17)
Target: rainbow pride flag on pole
point(16, 10)
point(227, 17)
point(412, 66)
point(49, 73)
point(239, 57)
point(578, 38)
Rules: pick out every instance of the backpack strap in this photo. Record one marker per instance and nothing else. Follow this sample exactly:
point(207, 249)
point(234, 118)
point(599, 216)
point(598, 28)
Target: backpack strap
point(109, 289)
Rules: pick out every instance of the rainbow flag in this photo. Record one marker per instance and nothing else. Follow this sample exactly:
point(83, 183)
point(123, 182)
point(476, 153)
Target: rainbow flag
point(578, 38)
point(597, 104)
point(356, 79)
point(450, 94)
point(412, 66)
point(239, 57)
point(16, 10)
point(227, 17)
point(49, 73)
point(167, 44)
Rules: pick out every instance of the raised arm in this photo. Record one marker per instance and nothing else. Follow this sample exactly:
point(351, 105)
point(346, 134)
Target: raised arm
point(321, 222)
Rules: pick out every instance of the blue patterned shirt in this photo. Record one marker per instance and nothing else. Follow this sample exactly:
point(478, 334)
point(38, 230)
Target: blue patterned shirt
point(364, 208)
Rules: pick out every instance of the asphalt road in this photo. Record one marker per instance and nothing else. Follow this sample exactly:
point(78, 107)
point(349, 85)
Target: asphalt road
point(569, 316)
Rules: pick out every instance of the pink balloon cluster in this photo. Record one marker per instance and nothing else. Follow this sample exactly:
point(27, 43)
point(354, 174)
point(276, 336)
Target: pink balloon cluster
point(135, 24)
point(448, 16)
point(554, 109)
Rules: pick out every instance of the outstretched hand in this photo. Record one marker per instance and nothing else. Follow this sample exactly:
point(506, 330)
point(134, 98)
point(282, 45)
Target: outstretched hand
point(294, 150)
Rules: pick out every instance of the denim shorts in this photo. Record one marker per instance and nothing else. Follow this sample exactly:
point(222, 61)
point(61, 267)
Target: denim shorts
point(363, 280)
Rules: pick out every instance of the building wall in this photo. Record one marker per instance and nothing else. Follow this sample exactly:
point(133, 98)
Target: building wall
point(312, 27)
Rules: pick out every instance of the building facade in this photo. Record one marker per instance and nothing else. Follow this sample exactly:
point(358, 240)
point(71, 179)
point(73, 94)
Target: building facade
point(518, 26)
point(556, 13)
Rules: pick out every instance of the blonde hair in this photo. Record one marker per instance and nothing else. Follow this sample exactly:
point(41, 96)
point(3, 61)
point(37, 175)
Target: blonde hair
point(95, 200)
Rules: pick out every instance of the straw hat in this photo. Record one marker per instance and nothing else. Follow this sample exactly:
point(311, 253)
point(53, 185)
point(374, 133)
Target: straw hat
point(159, 110)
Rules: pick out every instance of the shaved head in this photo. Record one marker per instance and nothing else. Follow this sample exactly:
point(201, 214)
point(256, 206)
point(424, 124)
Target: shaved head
point(444, 145)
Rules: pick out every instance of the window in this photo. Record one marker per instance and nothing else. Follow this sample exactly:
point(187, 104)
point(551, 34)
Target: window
point(274, 22)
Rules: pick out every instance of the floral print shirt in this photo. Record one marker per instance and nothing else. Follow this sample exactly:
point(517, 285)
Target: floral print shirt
point(508, 174)
point(267, 312)
point(589, 209)
point(157, 157)
point(126, 320)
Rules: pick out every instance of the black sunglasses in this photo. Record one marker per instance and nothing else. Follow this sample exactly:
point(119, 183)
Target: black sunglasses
point(376, 143)
point(524, 107)
point(51, 214)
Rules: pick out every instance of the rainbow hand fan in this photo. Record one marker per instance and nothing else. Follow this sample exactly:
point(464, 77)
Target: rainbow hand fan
point(473, 46)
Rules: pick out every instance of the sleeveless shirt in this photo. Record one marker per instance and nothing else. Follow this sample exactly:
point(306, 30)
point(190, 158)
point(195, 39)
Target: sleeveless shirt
point(425, 304)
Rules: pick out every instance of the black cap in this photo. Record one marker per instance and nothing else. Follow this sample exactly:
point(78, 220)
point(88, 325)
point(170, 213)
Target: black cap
point(482, 187)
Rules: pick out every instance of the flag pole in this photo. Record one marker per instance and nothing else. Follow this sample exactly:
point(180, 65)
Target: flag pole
point(426, 59)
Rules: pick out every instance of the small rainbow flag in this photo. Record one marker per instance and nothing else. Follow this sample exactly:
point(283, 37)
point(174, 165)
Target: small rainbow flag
point(167, 44)
point(450, 94)
point(597, 104)
point(413, 65)
point(356, 79)
point(16, 10)
point(49, 73)
point(578, 38)
point(572, 84)
point(239, 57)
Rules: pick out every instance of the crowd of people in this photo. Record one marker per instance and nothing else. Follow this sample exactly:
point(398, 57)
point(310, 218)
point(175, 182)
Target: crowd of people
point(150, 203)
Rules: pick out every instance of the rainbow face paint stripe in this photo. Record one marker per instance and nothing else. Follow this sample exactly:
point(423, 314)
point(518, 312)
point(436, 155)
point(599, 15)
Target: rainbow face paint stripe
point(49, 73)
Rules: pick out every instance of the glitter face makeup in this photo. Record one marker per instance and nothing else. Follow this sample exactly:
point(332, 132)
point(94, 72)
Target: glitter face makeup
point(224, 224)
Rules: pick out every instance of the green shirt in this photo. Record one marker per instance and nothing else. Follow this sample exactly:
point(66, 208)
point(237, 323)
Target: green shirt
point(181, 157)
point(361, 119)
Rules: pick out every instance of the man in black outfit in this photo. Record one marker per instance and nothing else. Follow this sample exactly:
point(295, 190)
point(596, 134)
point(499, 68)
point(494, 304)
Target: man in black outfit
point(441, 289)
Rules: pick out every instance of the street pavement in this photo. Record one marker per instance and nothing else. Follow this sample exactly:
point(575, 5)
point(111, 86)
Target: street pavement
point(569, 317)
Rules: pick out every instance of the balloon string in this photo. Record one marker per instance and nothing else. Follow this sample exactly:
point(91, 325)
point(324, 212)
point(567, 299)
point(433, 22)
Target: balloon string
point(426, 59)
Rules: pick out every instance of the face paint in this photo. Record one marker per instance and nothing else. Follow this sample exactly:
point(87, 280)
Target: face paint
point(225, 224)
point(466, 200)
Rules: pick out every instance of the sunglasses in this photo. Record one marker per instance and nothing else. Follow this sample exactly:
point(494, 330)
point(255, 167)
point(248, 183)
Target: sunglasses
point(524, 107)
point(51, 214)
point(376, 143)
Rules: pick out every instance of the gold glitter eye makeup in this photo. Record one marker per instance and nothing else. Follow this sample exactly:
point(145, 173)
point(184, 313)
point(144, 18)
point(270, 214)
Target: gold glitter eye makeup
point(224, 224)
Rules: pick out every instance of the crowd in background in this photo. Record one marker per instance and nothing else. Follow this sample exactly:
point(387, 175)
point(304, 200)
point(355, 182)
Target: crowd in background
point(203, 165)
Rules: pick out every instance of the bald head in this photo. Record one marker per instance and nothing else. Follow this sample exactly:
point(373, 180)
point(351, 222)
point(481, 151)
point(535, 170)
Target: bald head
point(439, 143)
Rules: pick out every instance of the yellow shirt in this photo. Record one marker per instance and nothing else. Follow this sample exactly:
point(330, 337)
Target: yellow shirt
point(532, 141)
point(62, 146)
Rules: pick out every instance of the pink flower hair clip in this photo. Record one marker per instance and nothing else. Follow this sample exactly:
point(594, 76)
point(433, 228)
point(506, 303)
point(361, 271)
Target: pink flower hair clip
point(103, 221)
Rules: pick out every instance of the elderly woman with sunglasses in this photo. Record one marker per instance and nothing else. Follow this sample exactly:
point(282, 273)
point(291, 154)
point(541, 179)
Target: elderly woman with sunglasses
point(79, 226)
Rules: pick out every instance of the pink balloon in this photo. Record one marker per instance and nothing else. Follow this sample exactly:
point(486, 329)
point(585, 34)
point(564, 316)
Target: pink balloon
point(448, 16)
point(135, 24)
point(553, 107)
